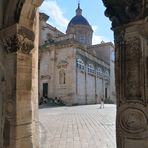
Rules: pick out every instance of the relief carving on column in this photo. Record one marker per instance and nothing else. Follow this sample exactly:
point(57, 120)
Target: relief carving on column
point(132, 83)
point(119, 63)
point(17, 38)
point(133, 120)
point(129, 72)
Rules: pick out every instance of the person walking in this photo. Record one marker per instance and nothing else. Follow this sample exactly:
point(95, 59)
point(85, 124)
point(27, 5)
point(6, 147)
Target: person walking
point(101, 102)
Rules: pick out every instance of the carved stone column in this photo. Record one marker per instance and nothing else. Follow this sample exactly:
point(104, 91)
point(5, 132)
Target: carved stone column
point(130, 26)
point(131, 85)
point(18, 42)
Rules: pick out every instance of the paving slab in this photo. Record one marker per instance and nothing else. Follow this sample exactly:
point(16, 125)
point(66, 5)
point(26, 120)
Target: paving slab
point(85, 126)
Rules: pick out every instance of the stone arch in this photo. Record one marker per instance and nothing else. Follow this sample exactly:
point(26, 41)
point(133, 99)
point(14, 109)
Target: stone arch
point(21, 11)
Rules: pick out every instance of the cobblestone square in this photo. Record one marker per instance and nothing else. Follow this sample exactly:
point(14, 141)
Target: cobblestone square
point(77, 127)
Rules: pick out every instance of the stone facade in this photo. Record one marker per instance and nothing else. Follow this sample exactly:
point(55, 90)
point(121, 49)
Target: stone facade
point(87, 68)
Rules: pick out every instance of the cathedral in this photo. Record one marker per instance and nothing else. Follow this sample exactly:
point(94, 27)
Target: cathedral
point(70, 67)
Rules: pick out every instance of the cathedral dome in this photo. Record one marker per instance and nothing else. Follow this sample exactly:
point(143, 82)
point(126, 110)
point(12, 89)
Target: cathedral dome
point(78, 20)
point(80, 27)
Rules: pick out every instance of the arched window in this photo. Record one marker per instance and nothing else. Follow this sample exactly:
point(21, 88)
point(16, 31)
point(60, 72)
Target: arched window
point(80, 64)
point(82, 38)
point(91, 69)
point(106, 73)
point(99, 71)
point(62, 77)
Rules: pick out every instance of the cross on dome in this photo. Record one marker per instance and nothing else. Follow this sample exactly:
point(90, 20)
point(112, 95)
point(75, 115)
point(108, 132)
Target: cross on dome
point(79, 10)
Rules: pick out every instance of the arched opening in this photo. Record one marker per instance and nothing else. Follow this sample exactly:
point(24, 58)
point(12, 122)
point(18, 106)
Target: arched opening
point(130, 27)
point(62, 77)
point(86, 78)
point(80, 64)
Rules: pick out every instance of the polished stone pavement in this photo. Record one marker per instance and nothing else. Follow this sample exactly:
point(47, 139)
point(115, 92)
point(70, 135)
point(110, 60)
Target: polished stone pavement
point(77, 127)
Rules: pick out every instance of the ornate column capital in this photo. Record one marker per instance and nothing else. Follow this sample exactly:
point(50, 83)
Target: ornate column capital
point(125, 11)
point(17, 38)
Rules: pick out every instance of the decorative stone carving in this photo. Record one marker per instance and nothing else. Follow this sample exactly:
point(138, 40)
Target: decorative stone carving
point(45, 77)
point(125, 11)
point(10, 109)
point(17, 38)
point(133, 120)
point(62, 64)
point(132, 68)
point(119, 53)
point(128, 68)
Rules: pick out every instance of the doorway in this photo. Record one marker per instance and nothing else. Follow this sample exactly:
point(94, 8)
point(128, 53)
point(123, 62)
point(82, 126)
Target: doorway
point(45, 90)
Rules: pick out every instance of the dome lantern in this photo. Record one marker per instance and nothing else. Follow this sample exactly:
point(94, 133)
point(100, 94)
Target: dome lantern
point(78, 10)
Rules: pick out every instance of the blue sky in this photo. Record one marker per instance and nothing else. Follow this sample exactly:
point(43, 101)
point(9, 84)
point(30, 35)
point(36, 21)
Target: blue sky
point(62, 11)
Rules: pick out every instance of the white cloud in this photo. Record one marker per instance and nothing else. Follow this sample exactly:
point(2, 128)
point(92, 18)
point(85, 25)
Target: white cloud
point(55, 13)
point(95, 28)
point(97, 39)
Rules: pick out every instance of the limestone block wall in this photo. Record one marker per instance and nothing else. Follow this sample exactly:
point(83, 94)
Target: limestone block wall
point(91, 88)
point(81, 90)
point(99, 88)
point(88, 86)
point(83, 33)
point(102, 51)
point(47, 32)
point(34, 89)
point(46, 71)
point(65, 59)
point(44, 31)
point(105, 52)
point(52, 61)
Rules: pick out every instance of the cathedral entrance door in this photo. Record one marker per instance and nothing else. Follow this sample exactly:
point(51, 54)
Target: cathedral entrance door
point(45, 89)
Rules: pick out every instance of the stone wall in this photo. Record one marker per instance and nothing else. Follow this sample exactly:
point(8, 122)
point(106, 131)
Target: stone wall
point(47, 32)
point(81, 90)
point(2, 93)
point(34, 101)
point(82, 33)
point(65, 60)
point(90, 86)
point(46, 72)
point(51, 62)
point(99, 89)
point(91, 89)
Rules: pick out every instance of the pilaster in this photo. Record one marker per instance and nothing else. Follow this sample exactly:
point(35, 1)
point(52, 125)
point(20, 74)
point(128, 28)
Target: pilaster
point(131, 85)
point(17, 42)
